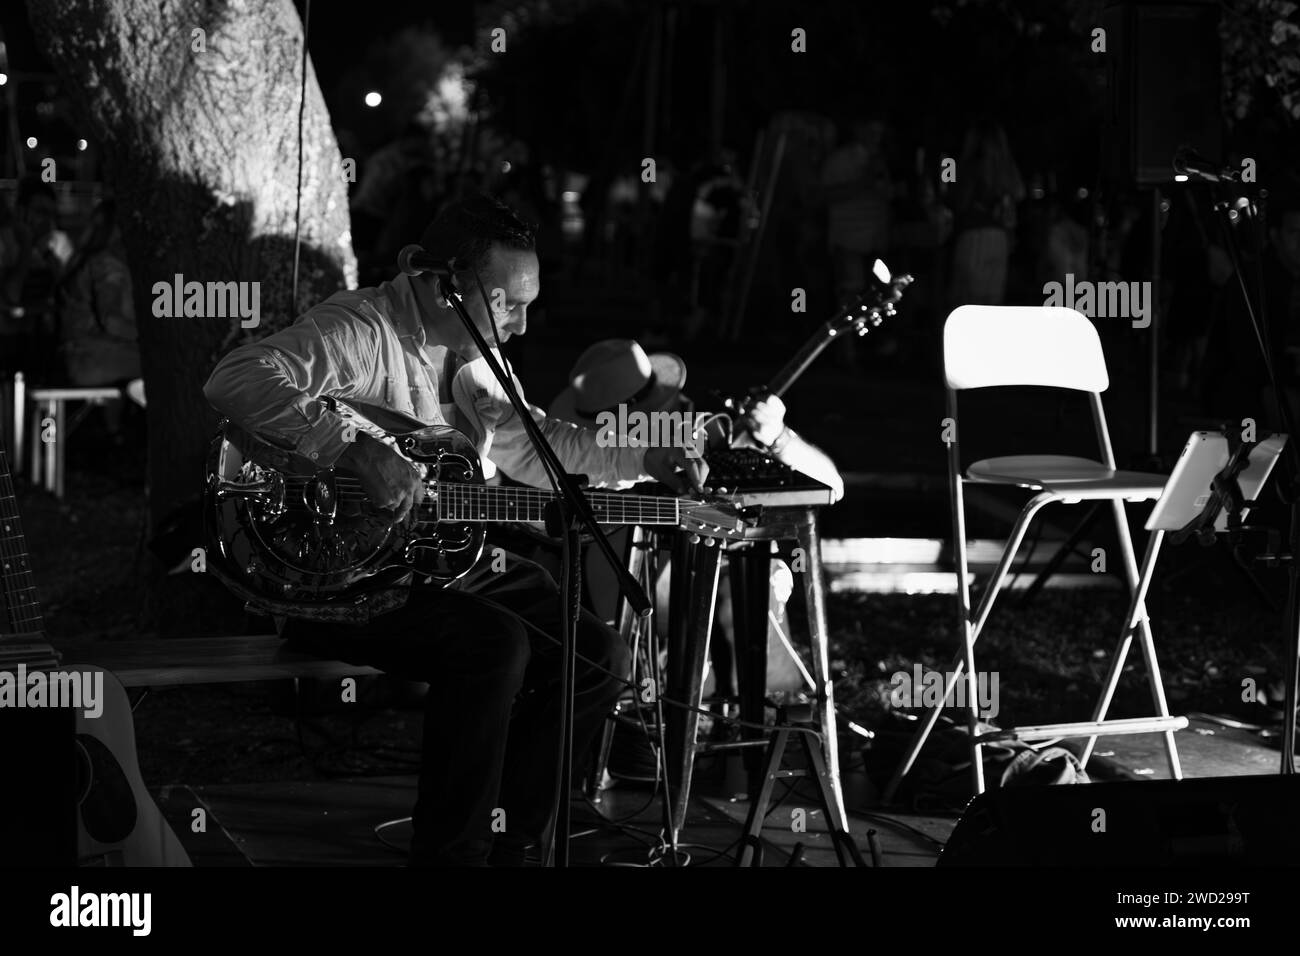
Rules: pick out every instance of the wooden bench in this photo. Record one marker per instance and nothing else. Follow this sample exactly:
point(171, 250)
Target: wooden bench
point(204, 660)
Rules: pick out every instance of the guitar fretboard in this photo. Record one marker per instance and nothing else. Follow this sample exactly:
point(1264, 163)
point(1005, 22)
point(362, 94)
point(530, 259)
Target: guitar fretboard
point(24, 610)
point(473, 503)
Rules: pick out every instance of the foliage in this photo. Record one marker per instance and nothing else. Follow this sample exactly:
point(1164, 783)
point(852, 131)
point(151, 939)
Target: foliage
point(1259, 43)
point(1260, 50)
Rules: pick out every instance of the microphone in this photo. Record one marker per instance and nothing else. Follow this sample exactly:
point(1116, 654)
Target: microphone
point(1188, 162)
point(414, 261)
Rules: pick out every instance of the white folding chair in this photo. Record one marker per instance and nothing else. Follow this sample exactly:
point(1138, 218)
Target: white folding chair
point(986, 346)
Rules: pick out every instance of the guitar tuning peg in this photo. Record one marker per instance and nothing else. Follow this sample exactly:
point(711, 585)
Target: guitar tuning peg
point(694, 539)
point(722, 490)
point(710, 542)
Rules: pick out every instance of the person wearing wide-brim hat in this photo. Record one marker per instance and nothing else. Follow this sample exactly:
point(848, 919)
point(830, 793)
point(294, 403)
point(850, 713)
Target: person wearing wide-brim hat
point(619, 372)
point(616, 372)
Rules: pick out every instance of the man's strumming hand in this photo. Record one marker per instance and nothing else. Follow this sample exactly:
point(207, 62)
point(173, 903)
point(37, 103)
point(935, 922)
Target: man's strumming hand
point(390, 482)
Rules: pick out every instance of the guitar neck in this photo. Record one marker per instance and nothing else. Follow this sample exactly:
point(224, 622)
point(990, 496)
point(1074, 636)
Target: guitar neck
point(488, 503)
point(792, 369)
point(22, 607)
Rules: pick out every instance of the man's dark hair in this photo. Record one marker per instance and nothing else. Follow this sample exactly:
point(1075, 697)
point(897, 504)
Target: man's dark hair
point(468, 228)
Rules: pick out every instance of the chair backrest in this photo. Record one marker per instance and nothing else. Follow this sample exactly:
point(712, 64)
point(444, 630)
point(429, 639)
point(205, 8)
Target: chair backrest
point(985, 345)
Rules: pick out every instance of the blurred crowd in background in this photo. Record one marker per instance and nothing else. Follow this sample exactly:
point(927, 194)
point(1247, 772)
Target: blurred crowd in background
point(743, 205)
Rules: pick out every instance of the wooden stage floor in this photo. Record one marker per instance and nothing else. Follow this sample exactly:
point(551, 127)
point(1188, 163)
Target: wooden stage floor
point(340, 822)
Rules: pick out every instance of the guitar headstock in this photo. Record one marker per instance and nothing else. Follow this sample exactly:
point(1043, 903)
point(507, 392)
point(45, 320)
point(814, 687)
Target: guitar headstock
point(878, 303)
point(716, 520)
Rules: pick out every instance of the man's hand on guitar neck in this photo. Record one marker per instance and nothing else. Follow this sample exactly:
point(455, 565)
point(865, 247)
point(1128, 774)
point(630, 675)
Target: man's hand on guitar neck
point(390, 482)
point(764, 418)
point(671, 466)
point(764, 424)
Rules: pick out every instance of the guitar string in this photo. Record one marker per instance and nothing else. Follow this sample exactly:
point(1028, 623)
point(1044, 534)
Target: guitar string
point(472, 512)
point(500, 501)
point(460, 501)
point(533, 494)
point(508, 495)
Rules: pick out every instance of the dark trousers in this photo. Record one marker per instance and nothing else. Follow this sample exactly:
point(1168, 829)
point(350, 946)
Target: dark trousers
point(492, 715)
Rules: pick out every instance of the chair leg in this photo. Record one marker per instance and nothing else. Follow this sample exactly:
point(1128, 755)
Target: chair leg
point(1146, 639)
point(971, 630)
point(1139, 619)
point(1136, 612)
point(1158, 698)
point(36, 450)
point(60, 448)
point(964, 661)
point(19, 423)
point(1154, 678)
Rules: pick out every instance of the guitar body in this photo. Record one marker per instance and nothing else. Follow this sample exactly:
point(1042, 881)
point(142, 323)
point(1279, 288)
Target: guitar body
point(118, 823)
point(298, 533)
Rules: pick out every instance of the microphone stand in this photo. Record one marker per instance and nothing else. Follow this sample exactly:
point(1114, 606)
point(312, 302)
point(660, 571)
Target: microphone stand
point(1230, 211)
point(567, 515)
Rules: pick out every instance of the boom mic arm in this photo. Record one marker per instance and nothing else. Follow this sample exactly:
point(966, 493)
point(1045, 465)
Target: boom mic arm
point(1188, 162)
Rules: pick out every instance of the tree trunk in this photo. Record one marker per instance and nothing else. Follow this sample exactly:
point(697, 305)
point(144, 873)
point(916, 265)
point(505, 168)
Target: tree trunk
point(195, 104)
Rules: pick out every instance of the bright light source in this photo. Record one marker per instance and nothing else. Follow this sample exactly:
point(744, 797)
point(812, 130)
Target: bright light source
point(31, 142)
point(82, 144)
point(4, 78)
point(373, 98)
point(1180, 178)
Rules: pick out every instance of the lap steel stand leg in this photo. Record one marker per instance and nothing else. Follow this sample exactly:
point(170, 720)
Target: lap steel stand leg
point(751, 844)
point(814, 585)
point(694, 585)
point(750, 569)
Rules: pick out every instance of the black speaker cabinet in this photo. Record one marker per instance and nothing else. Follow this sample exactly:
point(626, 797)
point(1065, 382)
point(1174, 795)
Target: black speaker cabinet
point(1247, 821)
point(1163, 87)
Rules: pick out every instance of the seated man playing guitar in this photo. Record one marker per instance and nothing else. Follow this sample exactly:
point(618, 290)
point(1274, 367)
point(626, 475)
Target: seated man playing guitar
point(492, 719)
